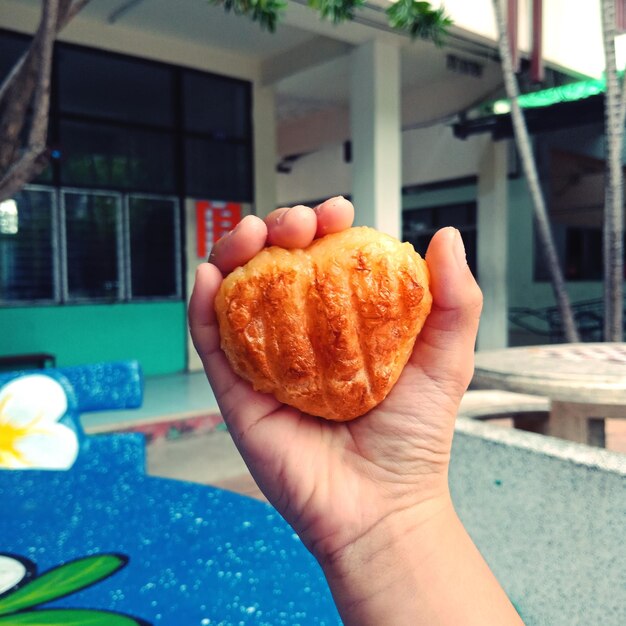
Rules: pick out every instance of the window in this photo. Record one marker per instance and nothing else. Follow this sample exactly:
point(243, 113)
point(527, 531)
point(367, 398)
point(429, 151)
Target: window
point(112, 87)
point(419, 225)
point(154, 251)
point(99, 246)
point(576, 186)
point(216, 106)
point(217, 170)
point(11, 49)
point(91, 223)
point(108, 156)
point(580, 250)
point(129, 139)
point(27, 266)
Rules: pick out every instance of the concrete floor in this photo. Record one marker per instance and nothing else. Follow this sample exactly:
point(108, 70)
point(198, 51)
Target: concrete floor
point(207, 458)
point(211, 457)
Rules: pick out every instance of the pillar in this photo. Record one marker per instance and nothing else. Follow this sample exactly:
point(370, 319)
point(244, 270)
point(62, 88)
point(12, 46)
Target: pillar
point(376, 134)
point(265, 154)
point(492, 245)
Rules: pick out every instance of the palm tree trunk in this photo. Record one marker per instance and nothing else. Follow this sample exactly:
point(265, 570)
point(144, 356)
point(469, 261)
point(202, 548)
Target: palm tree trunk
point(530, 171)
point(613, 225)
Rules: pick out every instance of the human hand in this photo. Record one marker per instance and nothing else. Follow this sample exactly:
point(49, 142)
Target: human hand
point(335, 482)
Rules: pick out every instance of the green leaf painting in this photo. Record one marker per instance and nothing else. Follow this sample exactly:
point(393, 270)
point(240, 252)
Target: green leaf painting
point(19, 602)
point(61, 581)
point(67, 617)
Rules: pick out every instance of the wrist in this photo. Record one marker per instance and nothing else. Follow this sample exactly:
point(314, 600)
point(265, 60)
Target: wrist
point(418, 567)
point(385, 564)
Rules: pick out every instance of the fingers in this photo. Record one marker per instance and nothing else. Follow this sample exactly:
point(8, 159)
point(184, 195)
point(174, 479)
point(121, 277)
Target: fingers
point(296, 227)
point(236, 398)
point(292, 227)
point(445, 347)
point(240, 245)
point(202, 319)
point(333, 216)
point(288, 227)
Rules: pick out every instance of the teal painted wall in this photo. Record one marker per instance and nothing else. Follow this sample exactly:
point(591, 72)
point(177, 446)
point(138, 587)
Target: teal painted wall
point(438, 197)
point(152, 333)
point(523, 289)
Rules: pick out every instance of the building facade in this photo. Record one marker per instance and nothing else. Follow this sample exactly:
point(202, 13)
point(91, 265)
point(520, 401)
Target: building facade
point(169, 119)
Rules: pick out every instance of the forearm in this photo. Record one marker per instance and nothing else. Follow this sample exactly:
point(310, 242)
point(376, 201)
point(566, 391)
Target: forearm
point(417, 568)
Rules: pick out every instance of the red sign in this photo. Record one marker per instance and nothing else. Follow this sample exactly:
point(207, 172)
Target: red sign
point(214, 220)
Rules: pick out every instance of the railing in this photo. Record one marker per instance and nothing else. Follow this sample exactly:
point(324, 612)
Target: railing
point(547, 322)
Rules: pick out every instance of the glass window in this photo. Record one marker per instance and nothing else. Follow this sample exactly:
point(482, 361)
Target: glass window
point(12, 47)
point(109, 156)
point(154, 246)
point(124, 89)
point(216, 105)
point(218, 170)
point(26, 248)
point(92, 223)
point(419, 225)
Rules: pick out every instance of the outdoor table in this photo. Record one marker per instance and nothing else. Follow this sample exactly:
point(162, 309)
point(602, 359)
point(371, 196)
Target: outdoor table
point(586, 383)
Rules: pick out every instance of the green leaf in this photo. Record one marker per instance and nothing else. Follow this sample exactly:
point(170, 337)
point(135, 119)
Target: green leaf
point(67, 617)
point(266, 12)
point(419, 19)
point(336, 10)
point(61, 581)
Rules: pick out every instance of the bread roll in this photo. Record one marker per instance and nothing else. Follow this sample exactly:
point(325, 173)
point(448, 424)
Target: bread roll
point(327, 329)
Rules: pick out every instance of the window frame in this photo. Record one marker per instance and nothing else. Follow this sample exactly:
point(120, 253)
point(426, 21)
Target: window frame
point(66, 298)
point(178, 132)
point(178, 265)
point(54, 247)
point(59, 249)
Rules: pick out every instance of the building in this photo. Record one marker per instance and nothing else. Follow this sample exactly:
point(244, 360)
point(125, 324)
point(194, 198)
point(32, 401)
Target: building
point(165, 114)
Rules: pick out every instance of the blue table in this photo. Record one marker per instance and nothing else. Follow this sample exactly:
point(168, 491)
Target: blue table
point(158, 551)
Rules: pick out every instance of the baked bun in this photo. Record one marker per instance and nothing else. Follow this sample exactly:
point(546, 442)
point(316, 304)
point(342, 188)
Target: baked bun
point(327, 329)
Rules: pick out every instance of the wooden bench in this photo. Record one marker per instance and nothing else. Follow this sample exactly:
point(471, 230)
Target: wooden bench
point(527, 412)
point(34, 360)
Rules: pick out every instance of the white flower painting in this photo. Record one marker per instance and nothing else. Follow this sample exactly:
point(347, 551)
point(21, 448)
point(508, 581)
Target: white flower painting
point(31, 436)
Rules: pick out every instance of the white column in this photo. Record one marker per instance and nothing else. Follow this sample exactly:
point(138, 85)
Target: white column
point(492, 245)
point(265, 155)
point(375, 129)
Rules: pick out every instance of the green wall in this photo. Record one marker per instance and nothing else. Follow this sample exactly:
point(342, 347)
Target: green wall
point(438, 197)
point(524, 291)
point(152, 333)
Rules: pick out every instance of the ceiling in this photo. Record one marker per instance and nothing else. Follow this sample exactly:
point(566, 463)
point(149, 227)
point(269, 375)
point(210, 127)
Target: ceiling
point(318, 85)
point(199, 22)
point(196, 21)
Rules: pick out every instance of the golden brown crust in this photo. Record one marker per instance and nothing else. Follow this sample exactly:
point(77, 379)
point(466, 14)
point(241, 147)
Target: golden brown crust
point(327, 329)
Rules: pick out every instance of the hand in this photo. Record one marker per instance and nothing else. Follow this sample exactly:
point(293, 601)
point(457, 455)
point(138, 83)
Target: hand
point(334, 482)
point(368, 497)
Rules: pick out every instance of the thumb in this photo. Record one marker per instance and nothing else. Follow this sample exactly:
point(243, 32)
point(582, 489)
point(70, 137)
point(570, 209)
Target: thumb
point(445, 347)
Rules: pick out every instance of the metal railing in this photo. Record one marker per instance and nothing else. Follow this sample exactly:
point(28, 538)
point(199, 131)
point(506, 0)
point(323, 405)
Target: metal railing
point(547, 322)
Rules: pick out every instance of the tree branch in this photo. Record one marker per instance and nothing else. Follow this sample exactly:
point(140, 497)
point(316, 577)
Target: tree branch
point(41, 104)
point(67, 11)
point(29, 83)
point(29, 165)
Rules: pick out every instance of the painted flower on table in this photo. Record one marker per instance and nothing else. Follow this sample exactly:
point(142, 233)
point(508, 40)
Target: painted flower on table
point(31, 436)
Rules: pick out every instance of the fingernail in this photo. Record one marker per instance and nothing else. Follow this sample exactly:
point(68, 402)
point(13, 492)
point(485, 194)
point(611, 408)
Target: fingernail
point(281, 217)
point(459, 250)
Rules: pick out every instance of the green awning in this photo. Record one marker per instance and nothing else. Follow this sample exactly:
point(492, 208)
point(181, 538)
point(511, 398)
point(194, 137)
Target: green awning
point(547, 97)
